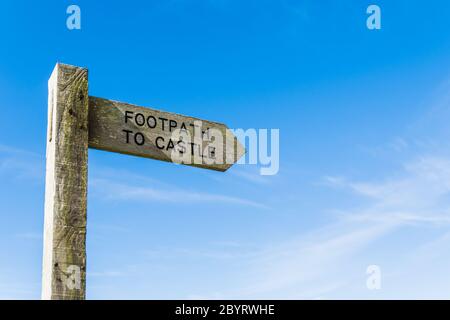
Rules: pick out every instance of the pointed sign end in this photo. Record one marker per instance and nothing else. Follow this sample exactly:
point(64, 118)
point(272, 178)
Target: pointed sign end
point(234, 148)
point(240, 150)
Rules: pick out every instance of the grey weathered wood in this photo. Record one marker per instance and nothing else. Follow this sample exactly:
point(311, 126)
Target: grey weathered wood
point(64, 261)
point(108, 120)
point(76, 122)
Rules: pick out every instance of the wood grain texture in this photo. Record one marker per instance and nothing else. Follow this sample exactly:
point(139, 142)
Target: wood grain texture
point(113, 126)
point(64, 261)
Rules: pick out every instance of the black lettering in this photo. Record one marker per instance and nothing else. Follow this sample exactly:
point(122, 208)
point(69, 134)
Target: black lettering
point(206, 134)
point(139, 119)
point(170, 145)
point(163, 122)
point(181, 147)
point(157, 144)
point(194, 125)
point(212, 152)
point(172, 125)
point(151, 119)
point(192, 147)
point(127, 134)
point(128, 116)
point(139, 141)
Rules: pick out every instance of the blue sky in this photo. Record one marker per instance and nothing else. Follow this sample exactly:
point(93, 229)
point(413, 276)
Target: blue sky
point(364, 149)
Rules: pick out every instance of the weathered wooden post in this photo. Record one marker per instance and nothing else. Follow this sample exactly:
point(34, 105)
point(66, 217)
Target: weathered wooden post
point(64, 260)
point(76, 122)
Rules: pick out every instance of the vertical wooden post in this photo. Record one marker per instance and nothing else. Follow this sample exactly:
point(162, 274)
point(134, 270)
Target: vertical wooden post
point(64, 259)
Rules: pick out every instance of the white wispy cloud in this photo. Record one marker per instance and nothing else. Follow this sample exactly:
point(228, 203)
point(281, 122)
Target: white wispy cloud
point(299, 268)
point(105, 274)
point(252, 175)
point(121, 191)
point(29, 236)
point(21, 164)
point(328, 261)
point(324, 262)
point(418, 194)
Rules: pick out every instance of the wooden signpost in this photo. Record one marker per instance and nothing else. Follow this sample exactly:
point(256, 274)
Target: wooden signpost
point(77, 122)
point(125, 128)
